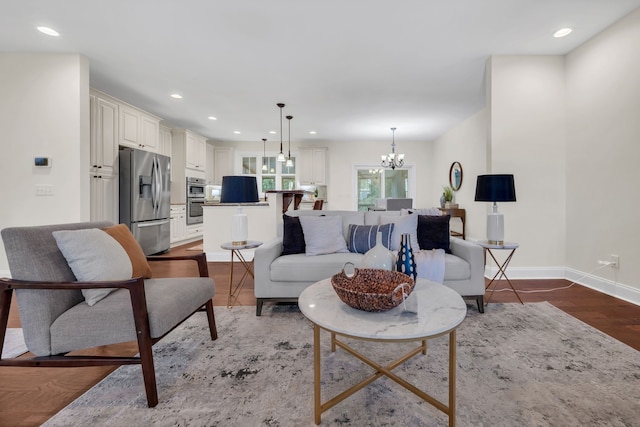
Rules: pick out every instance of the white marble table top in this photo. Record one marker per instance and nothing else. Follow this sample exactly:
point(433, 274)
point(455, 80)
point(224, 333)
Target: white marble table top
point(440, 310)
point(249, 245)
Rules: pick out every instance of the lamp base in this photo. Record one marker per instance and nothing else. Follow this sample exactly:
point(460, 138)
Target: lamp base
point(239, 243)
point(495, 227)
point(496, 242)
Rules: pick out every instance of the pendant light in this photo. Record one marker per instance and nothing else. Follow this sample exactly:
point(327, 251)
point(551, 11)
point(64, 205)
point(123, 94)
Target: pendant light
point(264, 154)
point(289, 163)
point(281, 157)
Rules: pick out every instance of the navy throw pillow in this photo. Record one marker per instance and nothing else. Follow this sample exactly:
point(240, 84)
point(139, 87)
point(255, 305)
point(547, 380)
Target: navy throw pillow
point(433, 232)
point(292, 236)
point(363, 237)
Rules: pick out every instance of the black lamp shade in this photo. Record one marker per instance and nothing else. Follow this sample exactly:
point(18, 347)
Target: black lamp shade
point(495, 188)
point(239, 189)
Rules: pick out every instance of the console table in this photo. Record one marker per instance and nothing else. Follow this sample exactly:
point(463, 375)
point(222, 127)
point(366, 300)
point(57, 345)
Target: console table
point(456, 213)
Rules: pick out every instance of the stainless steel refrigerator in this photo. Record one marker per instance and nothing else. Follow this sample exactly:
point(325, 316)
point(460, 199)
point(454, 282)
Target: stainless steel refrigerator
point(145, 197)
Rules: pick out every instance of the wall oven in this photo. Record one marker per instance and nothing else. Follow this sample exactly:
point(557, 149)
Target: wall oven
point(195, 200)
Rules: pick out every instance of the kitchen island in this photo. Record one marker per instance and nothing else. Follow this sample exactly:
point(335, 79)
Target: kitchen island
point(264, 221)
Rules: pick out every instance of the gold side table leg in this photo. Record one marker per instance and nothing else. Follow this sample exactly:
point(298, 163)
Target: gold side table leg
point(317, 404)
point(229, 305)
point(452, 378)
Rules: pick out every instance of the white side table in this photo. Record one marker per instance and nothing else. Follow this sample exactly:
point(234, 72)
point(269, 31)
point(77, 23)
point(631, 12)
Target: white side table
point(248, 267)
point(502, 268)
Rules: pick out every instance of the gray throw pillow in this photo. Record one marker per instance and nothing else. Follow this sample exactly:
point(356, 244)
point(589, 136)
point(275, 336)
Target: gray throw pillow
point(403, 224)
point(93, 255)
point(323, 234)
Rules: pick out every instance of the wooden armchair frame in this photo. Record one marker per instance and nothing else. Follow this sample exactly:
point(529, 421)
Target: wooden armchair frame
point(140, 315)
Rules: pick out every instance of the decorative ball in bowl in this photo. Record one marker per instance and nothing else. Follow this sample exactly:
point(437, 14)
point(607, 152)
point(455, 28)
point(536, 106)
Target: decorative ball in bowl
point(372, 289)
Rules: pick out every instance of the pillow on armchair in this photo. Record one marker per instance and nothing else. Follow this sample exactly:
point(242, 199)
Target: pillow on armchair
point(93, 255)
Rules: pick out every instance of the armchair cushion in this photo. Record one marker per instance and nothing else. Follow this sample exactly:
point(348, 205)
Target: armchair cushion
point(93, 255)
point(138, 259)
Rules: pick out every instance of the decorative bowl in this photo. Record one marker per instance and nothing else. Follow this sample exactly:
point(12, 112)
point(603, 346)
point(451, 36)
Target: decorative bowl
point(372, 289)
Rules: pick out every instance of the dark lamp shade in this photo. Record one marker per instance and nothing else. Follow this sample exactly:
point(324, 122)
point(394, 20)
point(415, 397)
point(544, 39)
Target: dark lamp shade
point(495, 188)
point(239, 189)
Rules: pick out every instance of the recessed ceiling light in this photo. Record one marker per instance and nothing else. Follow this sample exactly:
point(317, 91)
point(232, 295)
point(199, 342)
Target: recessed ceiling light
point(562, 32)
point(48, 31)
point(312, 132)
point(176, 96)
point(272, 131)
point(237, 132)
point(212, 118)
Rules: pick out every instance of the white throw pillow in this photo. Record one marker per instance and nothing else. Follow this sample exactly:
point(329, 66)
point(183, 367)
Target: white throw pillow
point(402, 224)
point(93, 255)
point(323, 234)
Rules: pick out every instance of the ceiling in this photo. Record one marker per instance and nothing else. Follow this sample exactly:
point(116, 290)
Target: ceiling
point(347, 69)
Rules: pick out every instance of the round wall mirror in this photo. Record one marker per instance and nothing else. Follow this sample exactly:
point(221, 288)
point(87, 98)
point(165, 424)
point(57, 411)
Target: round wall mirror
point(455, 176)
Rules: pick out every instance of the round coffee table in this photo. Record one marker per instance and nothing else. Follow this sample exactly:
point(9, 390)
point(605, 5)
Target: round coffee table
point(440, 311)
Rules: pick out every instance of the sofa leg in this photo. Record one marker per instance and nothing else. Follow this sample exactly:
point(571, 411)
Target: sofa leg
point(259, 302)
point(480, 301)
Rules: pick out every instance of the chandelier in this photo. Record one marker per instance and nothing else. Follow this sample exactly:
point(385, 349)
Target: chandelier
point(392, 160)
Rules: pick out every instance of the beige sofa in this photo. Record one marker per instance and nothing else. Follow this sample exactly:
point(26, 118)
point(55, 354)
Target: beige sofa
point(283, 277)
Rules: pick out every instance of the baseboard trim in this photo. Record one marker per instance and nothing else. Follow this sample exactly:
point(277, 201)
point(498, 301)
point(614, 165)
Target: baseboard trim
point(606, 286)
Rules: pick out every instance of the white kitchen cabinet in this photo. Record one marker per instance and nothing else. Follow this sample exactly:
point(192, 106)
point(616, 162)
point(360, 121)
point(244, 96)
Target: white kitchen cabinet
point(138, 129)
point(196, 152)
point(222, 163)
point(104, 197)
point(195, 231)
point(165, 141)
point(178, 223)
point(312, 166)
point(209, 155)
point(103, 135)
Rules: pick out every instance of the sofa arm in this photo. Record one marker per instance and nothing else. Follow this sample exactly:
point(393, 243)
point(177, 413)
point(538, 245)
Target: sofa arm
point(473, 254)
point(263, 256)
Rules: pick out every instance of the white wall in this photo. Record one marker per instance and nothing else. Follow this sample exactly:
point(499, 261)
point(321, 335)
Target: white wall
point(603, 155)
point(527, 138)
point(44, 111)
point(466, 143)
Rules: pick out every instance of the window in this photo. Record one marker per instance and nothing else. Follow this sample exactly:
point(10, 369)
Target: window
point(376, 183)
point(276, 176)
point(289, 176)
point(248, 165)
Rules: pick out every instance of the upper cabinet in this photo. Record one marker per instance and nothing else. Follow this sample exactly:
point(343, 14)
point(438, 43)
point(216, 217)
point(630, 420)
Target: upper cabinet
point(139, 129)
point(222, 163)
point(312, 166)
point(104, 135)
point(165, 141)
point(196, 153)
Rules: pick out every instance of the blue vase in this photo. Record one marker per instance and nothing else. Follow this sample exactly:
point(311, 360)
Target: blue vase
point(406, 263)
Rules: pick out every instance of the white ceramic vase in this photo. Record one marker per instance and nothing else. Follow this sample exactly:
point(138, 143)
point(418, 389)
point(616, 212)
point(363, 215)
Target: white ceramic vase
point(379, 256)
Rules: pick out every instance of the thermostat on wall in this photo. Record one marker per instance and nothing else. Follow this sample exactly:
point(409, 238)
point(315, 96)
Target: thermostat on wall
point(43, 162)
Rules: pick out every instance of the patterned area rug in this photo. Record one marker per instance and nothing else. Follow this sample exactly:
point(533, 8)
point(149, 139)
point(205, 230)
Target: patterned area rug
point(518, 365)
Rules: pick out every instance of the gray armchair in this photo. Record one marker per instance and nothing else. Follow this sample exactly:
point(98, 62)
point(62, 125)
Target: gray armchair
point(56, 320)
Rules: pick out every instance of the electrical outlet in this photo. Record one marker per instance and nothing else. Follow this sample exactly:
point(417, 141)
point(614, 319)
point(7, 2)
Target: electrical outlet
point(615, 261)
point(44, 190)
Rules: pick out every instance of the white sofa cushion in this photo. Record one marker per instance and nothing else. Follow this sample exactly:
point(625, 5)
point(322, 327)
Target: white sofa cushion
point(301, 268)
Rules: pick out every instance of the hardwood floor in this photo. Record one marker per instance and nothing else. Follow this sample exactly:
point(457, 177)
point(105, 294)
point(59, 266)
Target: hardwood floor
point(30, 396)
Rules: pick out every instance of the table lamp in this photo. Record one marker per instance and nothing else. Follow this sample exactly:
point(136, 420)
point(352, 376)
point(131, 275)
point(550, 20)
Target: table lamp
point(239, 189)
point(495, 188)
